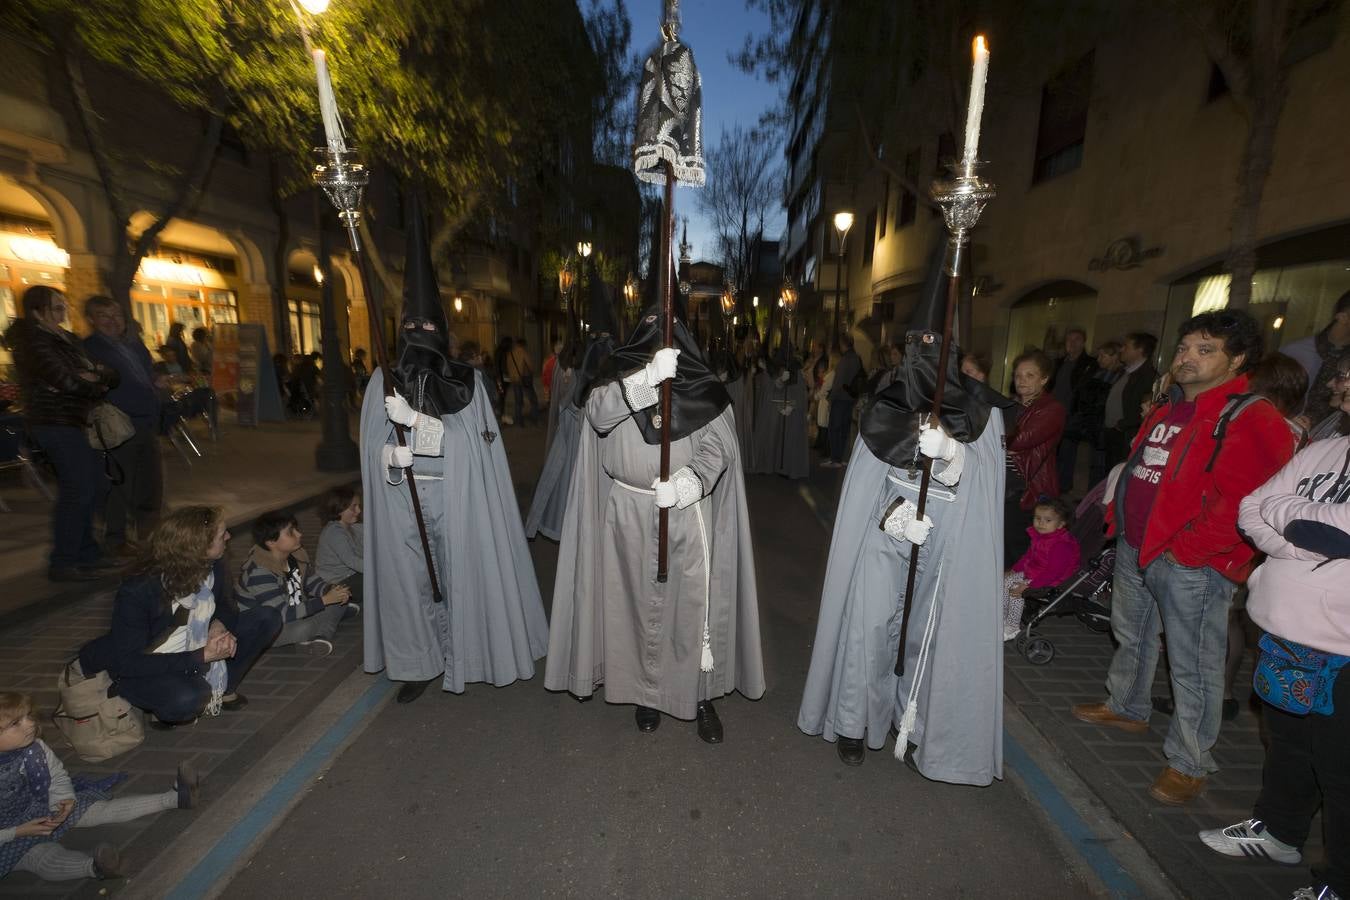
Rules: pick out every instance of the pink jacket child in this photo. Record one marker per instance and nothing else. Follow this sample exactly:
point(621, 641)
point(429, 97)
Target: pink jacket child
point(1299, 594)
point(1051, 558)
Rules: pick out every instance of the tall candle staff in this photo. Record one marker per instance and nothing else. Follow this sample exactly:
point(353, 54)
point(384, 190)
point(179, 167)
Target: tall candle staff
point(343, 177)
point(962, 198)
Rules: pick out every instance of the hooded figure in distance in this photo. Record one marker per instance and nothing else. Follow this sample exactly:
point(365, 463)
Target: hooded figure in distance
point(490, 626)
point(555, 479)
point(669, 647)
point(780, 445)
point(949, 703)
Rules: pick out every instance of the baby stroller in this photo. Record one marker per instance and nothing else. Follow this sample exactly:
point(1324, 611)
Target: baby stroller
point(1086, 594)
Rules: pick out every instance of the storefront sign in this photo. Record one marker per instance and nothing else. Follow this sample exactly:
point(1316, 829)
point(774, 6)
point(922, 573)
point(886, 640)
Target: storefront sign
point(179, 273)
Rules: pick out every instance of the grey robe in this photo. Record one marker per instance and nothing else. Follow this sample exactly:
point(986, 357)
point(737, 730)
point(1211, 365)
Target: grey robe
point(491, 626)
point(781, 446)
point(560, 395)
point(743, 405)
point(555, 479)
point(851, 686)
point(612, 623)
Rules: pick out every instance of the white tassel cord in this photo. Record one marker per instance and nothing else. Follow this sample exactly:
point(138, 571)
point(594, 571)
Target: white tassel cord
point(908, 720)
point(706, 661)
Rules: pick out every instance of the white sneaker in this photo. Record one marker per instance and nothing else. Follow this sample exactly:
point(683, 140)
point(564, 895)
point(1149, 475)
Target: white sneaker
point(1250, 838)
point(351, 610)
point(316, 647)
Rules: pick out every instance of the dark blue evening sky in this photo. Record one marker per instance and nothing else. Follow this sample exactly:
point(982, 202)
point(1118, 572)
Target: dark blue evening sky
point(713, 29)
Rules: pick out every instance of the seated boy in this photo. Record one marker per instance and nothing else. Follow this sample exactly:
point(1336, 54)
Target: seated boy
point(278, 574)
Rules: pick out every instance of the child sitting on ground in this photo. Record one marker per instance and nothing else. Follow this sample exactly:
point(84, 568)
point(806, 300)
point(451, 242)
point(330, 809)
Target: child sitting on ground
point(39, 803)
point(339, 560)
point(278, 574)
point(1051, 558)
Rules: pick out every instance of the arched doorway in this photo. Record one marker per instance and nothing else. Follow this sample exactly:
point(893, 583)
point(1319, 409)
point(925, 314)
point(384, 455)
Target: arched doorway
point(1040, 318)
point(29, 252)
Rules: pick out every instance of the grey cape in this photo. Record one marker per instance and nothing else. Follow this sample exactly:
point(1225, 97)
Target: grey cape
point(491, 626)
point(613, 624)
point(851, 687)
point(742, 392)
point(555, 479)
point(560, 395)
point(780, 444)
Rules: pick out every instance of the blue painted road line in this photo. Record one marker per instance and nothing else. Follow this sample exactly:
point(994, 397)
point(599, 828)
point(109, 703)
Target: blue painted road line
point(1090, 847)
point(216, 865)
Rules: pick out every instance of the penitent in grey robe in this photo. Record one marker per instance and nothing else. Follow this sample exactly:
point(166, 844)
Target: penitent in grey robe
point(491, 626)
point(851, 687)
point(560, 395)
point(555, 479)
point(742, 393)
point(780, 443)
point(613, 624)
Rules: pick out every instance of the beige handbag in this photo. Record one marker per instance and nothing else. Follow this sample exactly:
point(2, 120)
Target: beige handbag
point(99, 727)
point(108, 427)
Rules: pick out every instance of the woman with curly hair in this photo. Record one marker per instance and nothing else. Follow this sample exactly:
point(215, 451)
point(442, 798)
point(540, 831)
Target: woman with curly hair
point(179, 646)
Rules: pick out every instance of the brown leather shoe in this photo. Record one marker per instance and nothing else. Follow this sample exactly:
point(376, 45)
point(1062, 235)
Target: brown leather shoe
point(1101, 714)
point(1176, 789)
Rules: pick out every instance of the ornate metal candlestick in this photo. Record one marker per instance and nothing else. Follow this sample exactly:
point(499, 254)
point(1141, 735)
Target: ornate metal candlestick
point(343, 177)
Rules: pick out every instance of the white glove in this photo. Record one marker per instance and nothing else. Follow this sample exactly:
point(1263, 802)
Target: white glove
point(783, 378)
point(397, 457)
point(937, 444)
point(663, 366)
point(787, 409)
point(666, 495)
point(398, 410)
point(902, 525)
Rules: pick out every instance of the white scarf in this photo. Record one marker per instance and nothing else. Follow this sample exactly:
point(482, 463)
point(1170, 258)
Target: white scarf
point(201, 607)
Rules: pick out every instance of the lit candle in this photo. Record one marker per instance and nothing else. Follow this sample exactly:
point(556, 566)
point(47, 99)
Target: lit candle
point(328, 104)
point(976, 108)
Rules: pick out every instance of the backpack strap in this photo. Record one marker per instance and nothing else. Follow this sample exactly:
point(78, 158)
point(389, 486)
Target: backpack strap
point(1236, 405)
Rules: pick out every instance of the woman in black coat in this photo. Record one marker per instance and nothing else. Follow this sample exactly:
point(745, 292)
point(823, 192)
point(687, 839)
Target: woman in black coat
point(59, 385)
point(179, 645)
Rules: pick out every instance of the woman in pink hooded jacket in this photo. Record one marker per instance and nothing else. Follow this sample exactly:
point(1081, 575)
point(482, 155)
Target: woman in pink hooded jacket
point(1300, 595)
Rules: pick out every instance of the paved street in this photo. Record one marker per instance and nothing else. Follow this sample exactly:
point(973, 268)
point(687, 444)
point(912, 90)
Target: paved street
point(520, 792)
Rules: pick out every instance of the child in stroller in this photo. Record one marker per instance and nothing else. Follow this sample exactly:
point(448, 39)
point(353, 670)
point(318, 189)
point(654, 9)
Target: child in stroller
point(1051, 557)
point(1086, 593)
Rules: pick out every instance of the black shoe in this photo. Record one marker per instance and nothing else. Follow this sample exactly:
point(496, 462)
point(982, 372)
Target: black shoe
point(709, 726)
point(233, 702)
point(852, 751)
point(411, 690)
point(188, 785)
point(73, 573)
point(107, 862)
point(1230, 709)
point(161, 725)
point(648, 719)
point(1167, 706)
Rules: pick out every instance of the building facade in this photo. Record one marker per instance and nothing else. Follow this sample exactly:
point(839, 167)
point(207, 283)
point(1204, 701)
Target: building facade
point(1115, 147)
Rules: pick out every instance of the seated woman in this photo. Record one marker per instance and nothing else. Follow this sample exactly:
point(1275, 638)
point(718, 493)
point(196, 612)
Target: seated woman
point(178, 647)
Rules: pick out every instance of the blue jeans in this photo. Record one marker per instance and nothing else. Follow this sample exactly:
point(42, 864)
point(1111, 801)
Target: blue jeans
point(841, 423)
point(79, 483)
point(1191, 605)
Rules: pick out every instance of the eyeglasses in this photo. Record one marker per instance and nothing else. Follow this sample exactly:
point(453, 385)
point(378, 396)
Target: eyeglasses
point(1341, 376)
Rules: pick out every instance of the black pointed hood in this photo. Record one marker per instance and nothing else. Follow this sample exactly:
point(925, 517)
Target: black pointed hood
point(890, 424)
point(600, 318)
point(424, 372)
point(602, 333)
point(697, 394)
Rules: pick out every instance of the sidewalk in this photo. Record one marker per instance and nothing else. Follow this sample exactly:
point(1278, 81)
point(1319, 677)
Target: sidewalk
point(239, 472)
point(1118, 767)
point(248, 472)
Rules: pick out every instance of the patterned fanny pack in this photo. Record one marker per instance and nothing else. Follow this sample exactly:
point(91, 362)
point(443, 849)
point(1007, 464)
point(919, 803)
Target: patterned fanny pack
point(1296, 678)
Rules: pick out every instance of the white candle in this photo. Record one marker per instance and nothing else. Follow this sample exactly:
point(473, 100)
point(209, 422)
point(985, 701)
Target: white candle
point(976, 108)
point(328, 104)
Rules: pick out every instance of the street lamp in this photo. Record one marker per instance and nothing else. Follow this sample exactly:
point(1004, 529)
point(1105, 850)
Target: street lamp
point(584, 248)
point(843, 221)
point(459, 305)
point(565, 279)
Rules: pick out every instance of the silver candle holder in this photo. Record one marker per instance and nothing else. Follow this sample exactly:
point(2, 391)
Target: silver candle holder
point(962, 198)
point(343, 177)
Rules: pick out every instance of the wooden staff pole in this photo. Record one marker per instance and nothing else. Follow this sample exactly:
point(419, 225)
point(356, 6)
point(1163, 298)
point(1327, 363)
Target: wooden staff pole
point(665, 286)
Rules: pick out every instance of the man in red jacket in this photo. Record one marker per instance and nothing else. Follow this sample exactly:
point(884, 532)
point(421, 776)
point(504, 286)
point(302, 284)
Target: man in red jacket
point(1179, 555)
